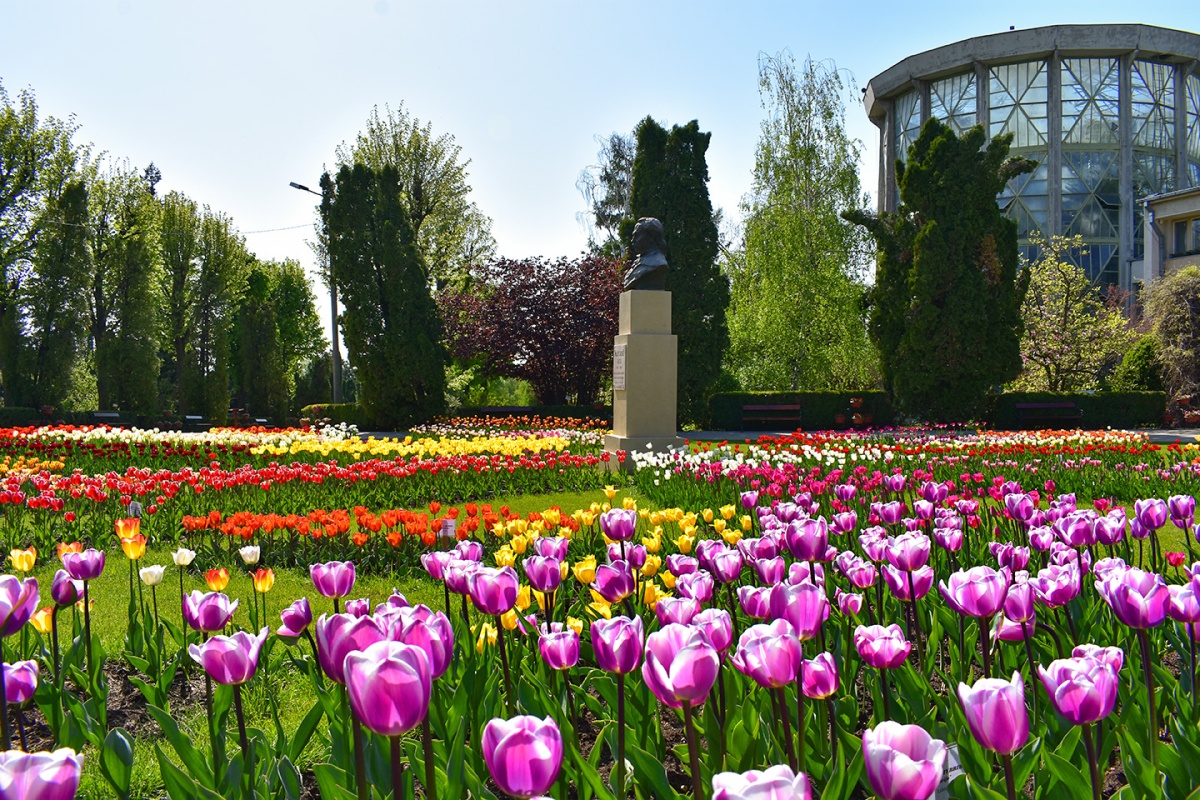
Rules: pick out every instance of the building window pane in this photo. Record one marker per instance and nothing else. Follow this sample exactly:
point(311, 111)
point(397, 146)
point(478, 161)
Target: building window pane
point(1090, 101)
point(1024, 200)
point(1193, 128)
point(1153, 105)
point(952, 100)
point(1179, 245)
point(1195, 235)
point(1017, 103)
point(908, 122)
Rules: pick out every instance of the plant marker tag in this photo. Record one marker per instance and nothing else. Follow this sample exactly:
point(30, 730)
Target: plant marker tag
point(448, 528)
point(953, 770)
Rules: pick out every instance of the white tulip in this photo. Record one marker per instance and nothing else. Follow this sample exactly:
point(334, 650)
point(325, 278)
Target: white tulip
point(249, 555)
point(152, 576)
point(183, 557)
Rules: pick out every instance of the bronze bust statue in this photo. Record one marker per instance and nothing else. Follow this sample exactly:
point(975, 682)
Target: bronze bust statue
point(649, 267)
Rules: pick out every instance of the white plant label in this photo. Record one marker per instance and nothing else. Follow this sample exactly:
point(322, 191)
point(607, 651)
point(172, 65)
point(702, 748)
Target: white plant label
point(953, 770)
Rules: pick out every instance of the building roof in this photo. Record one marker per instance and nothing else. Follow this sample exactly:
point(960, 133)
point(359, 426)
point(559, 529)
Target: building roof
point(1149, 41)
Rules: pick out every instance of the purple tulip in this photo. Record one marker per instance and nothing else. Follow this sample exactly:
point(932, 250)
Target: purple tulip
point(523, 754)
point(1075, 530)
point(1108, 530)
point(706, 549)
point(208, 612)
point(40, 776)
point(614, 582)
point(1012, 631)
point(845, 492)
point(908, 551)
point(861, 574)
point(891, 512)
point(389, 685)
point(334, 579)
point(1137, 598)
point(807, 539)
point(618, 644)
point(64, 590)
point(948, 538)
point(874, 543)
point(1183, 510)
point(903, 762)
point(805, 572)
point(1040, 538)
point(544, 572)
point(1113, 656)
point(548, 547)
point(933, 492)
point(469, 550)
point(85, 566)
point(680, 565)
point(786, 512)
point(755, 601)
point(1056, 586)
point(18, 600)
point(696, 585)
point(494, 589)
point(1184, 604)
point(341, 634)
point(898, 582)
point(880, 647)
point(976, 592)
point(20, 682)
point(1009, 555)
point(749, 500)
point(820, 677)
point(296, 619)
point(923, 509)
point(681, 665)
point(559, 646)
point(457, 574)
point(230, 660)
point(804, 605)
point(1018, 602)
point(619, 524)
point(844, 522)
point(770, 655)
point(435, 563)
point(359, 608)
point(421, 626)
point(726, 565)
point(770, 571)
point(773, 783)
point(717, 627)
point(1019, 506)
point(895, 482)
point(1151, 513)
point(1083, 690)
point(635, 554)
point(850, 604)
point(395, 600)
point(995, 710)
point(679, 610)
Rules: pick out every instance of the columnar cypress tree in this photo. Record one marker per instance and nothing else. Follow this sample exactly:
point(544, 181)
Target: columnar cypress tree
point(670, 182)
point(946, 305)
point(390, 322)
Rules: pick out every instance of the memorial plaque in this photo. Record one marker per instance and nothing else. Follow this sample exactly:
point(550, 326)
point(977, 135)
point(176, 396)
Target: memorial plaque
point(619, 368)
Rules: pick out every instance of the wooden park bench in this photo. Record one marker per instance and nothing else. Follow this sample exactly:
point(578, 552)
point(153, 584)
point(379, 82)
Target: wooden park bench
point(1048, 414)
point(195, 423)
point(786, 415)
point(111, 418)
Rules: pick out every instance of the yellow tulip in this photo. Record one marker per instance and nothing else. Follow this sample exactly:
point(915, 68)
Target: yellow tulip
point(217, 579)
point(719, 526)
point(563, 570)
point(651, 594)
point(605, 507)
point(688, 530)
point(629, 503)
point(509, 619)
point(587, 519)
point(643, 513)
point(610, 492)
point(667, 578)
point(505, 557)
point(264, 579)
point(541, 599)
point(522, 598)
point(565, 532)
point(600, 608)
point(707, 514)
point(521, 526)
point(575, 625)
point(552, 516)
point(652, 566)
point(585, 569)
point(732, 536)
point(684, 543)
point(519, 545)
point(134, 547)
point(577, 515)
point(747, 523)
point(652, 543)
point(23, 560)
point(487, 633)
point(498, 529)
point(41, 619)
point(687, 519)
point(536, 528)
point(728, 511)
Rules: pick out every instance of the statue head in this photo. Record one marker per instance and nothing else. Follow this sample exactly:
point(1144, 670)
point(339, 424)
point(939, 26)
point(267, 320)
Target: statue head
point(648, 236)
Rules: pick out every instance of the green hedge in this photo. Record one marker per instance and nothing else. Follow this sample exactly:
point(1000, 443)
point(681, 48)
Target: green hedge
point(349, 413)
point(818, 410)
point(570, 412)
point(1100, 410)
point(18, 416)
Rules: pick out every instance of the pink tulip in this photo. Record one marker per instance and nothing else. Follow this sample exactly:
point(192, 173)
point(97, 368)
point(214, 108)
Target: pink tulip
point(359, 608)
point(755, 601)
point(635, 554)
point(770, 655)
point(40, 776)
point(619, 524)
point(773, 783)
point(421, 626)
point(20, 682)
point(1056, 586)
point(85, 566)
point(1106, 567)
point(544, 572)
point(1151, 513)
point(880, 647)
point(614, 582)
point(804, 605)
point(898, 582)
point(770, 571)
point(726, 565)
point(341, 634)
point(908, 552)
point(618, 644)
point(807, 539)
point(995, 710)
point(681, 665)
point(494, 590)
point(717, 627)
point(333, 579)
point(64, 590)
point(1183, 604)
point(678, 610)
point(903, 762)
point(435, 563)
point(696, 585)
point(559, 646)
point(849, 604)
point(296, 618)
point(1113, 656)
point(389, 684)
point(806, 572)
point(1018, 603)
point(680, 565)
point(1010, 630)
point(820, 677)
point(1082, 689)
point(976, 592)
point(1137, 598)
point(948, 538)
point(18, 600)
point(208, 611)
point(523, 754)
point(230, 660)
point(547, 546)
point(457, 574)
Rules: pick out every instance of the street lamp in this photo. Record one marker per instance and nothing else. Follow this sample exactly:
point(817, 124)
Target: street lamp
point(333, 309)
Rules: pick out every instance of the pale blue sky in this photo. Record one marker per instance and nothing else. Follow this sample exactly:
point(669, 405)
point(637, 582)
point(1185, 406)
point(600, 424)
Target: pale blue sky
point(234, 99)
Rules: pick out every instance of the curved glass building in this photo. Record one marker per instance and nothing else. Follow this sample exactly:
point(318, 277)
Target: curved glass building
point(1110, 113)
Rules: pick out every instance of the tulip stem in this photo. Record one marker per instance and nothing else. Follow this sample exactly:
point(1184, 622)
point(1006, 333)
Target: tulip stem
point(787, 732)
point(154, 598)
point(619, 784)
point(183, 626)
point(247, 753)
point(887, 714)
point(87, 635)
point(54, 646)
point(693, 751)
point(1032, 671)
point(1009, 783)
point(1093, 767)
point(427, 745)
point(801, 736)
point(1190, 630)
point(1147, 672)
point(985, 644)
point(360, 759)
point(4, 729)
point(398, 767)
point(833, 742)
point(508, 698)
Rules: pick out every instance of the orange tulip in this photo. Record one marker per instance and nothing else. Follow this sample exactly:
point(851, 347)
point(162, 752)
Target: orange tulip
point(217, 579)
point(264, 579)
point(134, 546)
point(73, 547)
point(128, 528)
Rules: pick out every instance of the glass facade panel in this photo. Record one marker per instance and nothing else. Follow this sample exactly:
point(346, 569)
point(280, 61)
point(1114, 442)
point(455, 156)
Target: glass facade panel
point(1153, 105)
point(952, 100)
point(1090, 101)
point(1193, 129)
point(1025, 200)
point(908, 119)
point(1017, 103)
point(1091, 197)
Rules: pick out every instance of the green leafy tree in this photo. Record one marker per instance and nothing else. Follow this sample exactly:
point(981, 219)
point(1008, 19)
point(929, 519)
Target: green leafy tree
point(122, 295)
point(945, 310)
point(1173, 310)
point(451, 232)
point(670, 182)
point(262, 378)
point(795, 314)
point(390, 321)
point(38, 161)
point(605, 187)
point(1070, 333)
point(1140, 369)
point(301, 337)
point(179, 243)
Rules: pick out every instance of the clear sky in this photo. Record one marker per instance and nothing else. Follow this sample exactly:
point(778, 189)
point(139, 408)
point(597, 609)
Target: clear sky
point(234, 99)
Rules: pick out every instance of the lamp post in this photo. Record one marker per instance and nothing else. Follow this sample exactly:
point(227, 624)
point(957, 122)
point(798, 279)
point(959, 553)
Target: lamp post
point(337, 351)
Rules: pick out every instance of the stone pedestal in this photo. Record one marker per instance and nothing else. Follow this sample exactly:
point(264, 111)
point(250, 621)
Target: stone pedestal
point(645, 375)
